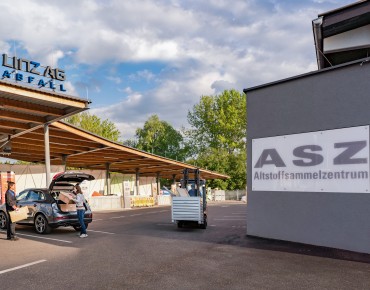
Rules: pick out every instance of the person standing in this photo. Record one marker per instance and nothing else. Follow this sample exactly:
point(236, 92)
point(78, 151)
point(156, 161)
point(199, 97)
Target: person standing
point(80, 210)
point(11, 205)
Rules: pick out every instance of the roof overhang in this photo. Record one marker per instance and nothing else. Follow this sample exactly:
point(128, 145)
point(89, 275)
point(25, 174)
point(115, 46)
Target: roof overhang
point(23, 113)
point(81, 149)
point(342, 35)
point(24, 109)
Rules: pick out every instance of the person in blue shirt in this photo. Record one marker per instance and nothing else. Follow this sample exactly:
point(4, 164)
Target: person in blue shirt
point(11, 204)
point(192, 191)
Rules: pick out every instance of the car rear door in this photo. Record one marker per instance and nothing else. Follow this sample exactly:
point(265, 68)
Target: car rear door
point(35, 200)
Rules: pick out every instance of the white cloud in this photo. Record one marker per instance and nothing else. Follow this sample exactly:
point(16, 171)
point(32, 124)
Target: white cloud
point(204, 47)
point(116, 80)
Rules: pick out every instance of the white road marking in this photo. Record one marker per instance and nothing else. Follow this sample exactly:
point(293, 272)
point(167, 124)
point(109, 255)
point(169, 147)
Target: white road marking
point(164, 210)
point(22, 266)
point(232, 216)
point(230, 219)
point(94, 220)
point(212, 225)
point(43, 238)
point(242, 213)
point(101, 232)
point(117, 217)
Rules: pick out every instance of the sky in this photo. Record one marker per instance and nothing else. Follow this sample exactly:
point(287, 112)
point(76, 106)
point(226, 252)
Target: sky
point(133, 59)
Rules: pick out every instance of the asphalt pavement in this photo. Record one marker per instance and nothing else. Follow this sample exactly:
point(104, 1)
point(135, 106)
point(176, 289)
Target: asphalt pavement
point(142, 249)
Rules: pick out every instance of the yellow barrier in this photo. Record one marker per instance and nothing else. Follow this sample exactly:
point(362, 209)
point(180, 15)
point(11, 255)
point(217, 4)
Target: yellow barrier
point(139, 201)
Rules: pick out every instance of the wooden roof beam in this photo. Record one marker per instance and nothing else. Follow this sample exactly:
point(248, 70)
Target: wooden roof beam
point(14, 125)
point(29, 107)
point(12, 115)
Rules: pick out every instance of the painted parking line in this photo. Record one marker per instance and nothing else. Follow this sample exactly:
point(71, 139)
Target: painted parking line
point(230, 219)
point(94, 220)
point(136, 214)
point(233, 216)
point(108, 233)
point(22, 266)
point(42, 238)
point(118, 217)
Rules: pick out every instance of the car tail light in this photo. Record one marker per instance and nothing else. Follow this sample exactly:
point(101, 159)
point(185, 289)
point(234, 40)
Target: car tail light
point(61, 218)
point(88, 215)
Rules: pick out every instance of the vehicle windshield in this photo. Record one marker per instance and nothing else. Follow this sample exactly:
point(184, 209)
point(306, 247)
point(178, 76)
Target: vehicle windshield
point(22, 195)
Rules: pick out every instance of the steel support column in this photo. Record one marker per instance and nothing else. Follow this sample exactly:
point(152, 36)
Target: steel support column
point(47, 154)
point(157, 180)
point(64, 161)
point(137, 181)
point(107, 178)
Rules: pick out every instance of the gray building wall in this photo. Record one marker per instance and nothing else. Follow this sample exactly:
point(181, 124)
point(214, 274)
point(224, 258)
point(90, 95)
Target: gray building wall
point(328, 99)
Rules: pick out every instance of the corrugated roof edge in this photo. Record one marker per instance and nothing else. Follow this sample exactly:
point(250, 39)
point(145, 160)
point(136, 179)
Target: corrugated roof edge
point(144, 152)
point(340, 66)
point(342, 8)
point(44, 91)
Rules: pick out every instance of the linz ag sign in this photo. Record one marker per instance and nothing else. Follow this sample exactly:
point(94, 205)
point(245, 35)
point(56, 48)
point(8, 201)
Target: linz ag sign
point(36, 73)
point(324, 161)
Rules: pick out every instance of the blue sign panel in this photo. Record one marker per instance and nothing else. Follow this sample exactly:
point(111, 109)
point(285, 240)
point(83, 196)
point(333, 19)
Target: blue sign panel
point(33, 73)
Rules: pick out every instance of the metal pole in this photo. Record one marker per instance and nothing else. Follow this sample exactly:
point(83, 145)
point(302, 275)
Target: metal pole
point(107, 177)
point(137, 176)
point(64, 161)
point(157, 179)
point(47, 154)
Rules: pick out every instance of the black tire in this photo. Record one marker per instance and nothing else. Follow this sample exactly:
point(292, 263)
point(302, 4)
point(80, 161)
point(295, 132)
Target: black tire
point(41, 225)
point(180, 224)
point(3, 220)
point(78, 228)
point(204, 224)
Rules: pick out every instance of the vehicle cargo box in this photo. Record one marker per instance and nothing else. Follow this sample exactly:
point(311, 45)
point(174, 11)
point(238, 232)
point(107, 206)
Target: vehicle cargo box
point(19, 215)
point(68, 207)
point(66, 197)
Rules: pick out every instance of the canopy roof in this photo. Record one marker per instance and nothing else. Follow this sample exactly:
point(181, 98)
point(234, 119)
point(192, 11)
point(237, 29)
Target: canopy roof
point(24, 111)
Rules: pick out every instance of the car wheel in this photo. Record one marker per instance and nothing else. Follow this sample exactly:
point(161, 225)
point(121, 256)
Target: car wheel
point(180, 224)
point(78, 228)
point(3, 220)
point(42, 225)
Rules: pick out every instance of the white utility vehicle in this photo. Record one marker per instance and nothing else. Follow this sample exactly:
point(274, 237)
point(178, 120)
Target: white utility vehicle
point(190, 206)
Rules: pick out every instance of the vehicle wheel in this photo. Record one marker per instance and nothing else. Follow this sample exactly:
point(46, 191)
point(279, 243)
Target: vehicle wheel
point(204, 224)
point(78, 228)
point(42, 225)
point(180, 224)
point(3, 220)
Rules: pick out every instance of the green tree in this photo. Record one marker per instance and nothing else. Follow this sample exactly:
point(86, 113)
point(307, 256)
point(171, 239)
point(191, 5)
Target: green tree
point(160, 138)
point(218, 137)
point(95, 125)
point(219, 122)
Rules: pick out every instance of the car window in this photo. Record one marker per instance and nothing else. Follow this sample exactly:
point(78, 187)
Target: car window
point(22, 195)
point(35, 195)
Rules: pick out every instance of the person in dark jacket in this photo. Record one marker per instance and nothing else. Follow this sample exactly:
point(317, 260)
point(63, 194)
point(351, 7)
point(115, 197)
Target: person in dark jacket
point(11, 204)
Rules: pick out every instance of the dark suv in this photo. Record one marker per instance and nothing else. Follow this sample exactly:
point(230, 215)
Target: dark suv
point(43, 204)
